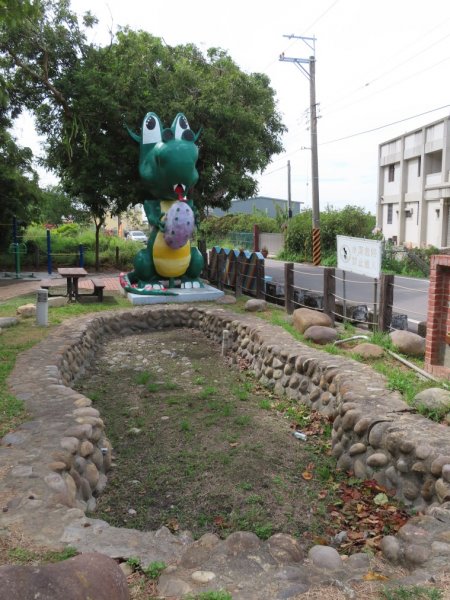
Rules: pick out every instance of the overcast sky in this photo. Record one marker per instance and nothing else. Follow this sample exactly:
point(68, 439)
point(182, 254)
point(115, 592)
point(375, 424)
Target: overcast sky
point(376, 63)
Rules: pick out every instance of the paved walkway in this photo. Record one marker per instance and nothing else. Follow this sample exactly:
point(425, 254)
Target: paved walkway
point(10, 287)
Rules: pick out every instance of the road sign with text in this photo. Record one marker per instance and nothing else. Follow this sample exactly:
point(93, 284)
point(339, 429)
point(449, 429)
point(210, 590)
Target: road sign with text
point(359, 255)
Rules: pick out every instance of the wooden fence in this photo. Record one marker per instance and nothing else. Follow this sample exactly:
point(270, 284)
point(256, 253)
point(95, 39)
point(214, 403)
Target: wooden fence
point(243, 272)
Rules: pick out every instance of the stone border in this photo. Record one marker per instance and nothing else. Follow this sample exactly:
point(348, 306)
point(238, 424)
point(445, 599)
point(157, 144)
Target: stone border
point(56, 464)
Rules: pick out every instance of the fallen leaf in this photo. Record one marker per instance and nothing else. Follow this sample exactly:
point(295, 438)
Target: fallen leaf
point(371, 576)
point(355, 535)
point(322, 494)
point(173, 524)
point(307, 475)
point(234, 444)
point(219, 521)
point(320, 541)
point(381, 499)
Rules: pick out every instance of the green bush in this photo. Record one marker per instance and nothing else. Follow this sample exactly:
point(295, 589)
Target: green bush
point(215, 229)
point(351, 220)
point(65, 244)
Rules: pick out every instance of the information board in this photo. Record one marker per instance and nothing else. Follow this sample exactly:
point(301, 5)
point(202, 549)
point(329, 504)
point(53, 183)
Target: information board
point(359, 255)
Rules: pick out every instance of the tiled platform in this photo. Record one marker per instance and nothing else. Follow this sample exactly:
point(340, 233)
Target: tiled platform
point(205, 294)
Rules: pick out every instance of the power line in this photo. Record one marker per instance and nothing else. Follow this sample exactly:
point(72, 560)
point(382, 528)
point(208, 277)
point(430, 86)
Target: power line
point(320, 17)
point(275, 170)
point(384, 126)
point(365, 85)
point(428, 68)
point(408, 59)
point(304, 31)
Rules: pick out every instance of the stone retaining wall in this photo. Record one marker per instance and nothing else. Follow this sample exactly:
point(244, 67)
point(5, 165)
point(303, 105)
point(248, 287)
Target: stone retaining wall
point(61, 457)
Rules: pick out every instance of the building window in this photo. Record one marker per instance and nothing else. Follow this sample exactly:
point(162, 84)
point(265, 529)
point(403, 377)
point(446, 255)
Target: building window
point(419, 165)
point(389, 214)
point(391, 176)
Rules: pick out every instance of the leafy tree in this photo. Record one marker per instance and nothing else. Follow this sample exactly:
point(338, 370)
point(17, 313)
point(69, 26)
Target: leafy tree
point(56, 206)
point(352, 221)
point(215, 228)
point(81, 96)
point(19, 190)
point(122, 82)
point(40, 43)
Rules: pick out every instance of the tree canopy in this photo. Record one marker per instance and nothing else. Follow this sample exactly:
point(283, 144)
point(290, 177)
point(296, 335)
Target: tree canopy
point(19, 190)
point(82, 95)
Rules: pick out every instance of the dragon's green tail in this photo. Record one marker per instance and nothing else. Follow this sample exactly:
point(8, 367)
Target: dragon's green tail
point(143, 292)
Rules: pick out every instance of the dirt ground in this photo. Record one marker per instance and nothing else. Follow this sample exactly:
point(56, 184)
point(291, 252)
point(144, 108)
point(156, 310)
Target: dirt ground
point(199, 446)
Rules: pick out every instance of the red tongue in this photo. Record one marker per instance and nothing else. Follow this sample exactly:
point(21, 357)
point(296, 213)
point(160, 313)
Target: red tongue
point(179, 191)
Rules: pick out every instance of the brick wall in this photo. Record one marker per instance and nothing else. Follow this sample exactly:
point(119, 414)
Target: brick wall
point(437, 354)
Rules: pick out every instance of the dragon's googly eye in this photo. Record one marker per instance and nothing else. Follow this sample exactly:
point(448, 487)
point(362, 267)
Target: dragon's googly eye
point(167, 135)
point(181, 127)
point(151, 130)
point(188, 135)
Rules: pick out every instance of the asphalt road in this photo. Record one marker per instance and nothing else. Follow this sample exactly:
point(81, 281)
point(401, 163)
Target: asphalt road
point(410, 294)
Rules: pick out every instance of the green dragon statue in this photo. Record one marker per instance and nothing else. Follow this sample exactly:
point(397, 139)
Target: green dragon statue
point(167, 166)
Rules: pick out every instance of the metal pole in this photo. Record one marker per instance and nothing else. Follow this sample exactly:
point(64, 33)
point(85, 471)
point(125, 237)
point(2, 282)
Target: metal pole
point(344, 305)
point(49, 253)
point(42, 308)
point(16, 248)
point(375, 305)
point(289, 190)
point(314, 163)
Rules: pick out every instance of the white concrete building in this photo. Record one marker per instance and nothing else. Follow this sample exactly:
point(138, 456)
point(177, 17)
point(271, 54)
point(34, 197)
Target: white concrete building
point(413, 205)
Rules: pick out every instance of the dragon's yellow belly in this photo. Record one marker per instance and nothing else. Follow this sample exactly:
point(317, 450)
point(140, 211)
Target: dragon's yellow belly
point(170, 262)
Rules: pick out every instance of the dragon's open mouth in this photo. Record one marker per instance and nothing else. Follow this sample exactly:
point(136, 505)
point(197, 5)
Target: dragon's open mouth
point(179, 190)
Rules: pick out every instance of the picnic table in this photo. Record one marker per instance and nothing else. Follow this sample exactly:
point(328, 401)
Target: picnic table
point(72, 275)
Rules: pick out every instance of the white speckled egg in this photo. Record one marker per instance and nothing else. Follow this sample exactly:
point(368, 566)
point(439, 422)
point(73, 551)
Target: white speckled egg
point(180, 224)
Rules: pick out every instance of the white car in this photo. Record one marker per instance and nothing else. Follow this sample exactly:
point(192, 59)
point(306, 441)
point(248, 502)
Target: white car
point(137, 236)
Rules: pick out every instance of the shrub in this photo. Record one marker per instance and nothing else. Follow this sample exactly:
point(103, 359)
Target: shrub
point(351, 220)
point(215, 229)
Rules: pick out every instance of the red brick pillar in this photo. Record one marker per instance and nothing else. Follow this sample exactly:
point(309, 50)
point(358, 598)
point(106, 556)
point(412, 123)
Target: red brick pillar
point(437, 353)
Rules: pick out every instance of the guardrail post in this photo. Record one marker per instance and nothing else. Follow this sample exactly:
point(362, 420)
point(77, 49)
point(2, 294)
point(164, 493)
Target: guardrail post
point(238, 271)
point(255, 238)
point(289, 287)
point(386, 301)
point(260, 281)
point(201, 244)
point(220, 270)
point(212, 267)
point(329, 292)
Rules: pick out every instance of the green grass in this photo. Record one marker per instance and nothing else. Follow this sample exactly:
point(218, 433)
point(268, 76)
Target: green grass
point(23, 556)
point(265, 404)
point(21, 337)
point(414, 592)
point(153, 387)
point(144, 377)
point(217, 595)
point(154, 569)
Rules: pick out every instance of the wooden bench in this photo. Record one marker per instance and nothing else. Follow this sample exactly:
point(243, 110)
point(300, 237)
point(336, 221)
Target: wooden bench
point(99, 286)
point(46, 284)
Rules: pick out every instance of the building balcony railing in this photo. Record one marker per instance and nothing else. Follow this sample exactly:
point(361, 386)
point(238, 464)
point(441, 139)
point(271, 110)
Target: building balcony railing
point(433, 179)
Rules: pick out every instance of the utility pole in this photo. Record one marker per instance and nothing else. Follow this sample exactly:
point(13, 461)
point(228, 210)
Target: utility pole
point(311, 76)
point(289, 190)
